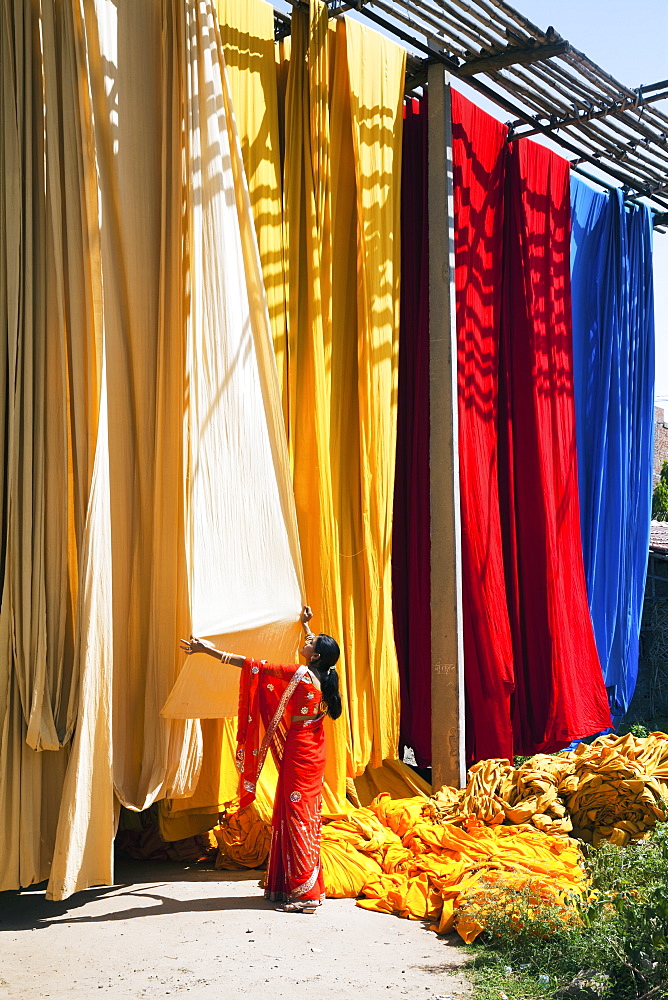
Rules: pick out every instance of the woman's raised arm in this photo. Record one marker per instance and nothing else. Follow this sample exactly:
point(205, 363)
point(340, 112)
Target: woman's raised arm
point(195, 645)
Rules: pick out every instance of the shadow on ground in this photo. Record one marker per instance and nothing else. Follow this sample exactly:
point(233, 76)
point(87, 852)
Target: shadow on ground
point(28, 909)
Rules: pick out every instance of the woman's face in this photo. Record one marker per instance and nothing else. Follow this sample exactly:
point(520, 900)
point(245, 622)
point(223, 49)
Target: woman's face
point(308, 649)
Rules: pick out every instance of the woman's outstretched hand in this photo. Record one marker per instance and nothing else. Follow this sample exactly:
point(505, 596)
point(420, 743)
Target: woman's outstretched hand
point(306, 615)
point(195, 645)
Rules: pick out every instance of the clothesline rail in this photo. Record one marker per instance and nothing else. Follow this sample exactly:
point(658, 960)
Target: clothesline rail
point(548, 86)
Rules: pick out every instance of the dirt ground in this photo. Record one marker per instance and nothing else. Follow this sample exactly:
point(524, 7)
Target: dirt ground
point(171, 930)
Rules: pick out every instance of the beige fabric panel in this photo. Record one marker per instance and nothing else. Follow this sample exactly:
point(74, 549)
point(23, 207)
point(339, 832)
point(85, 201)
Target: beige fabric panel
point(83, 852)
point(118, 349)
point(49, 309)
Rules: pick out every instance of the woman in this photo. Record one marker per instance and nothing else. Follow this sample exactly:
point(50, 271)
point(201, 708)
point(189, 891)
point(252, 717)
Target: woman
point(283, 708)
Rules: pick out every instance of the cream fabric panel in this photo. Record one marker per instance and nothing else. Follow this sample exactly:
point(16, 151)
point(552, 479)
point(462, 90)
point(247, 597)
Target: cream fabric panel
point(244, 561)
point(247, 34)
point(137, 80)
point(255, 550)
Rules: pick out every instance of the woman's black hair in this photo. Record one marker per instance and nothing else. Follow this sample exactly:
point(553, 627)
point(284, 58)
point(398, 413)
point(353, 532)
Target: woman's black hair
point(328, 654)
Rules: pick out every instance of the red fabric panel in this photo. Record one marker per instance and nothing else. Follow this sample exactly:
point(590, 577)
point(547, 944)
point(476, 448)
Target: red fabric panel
point(410, 538)
point(479, 155)
point(559, 693)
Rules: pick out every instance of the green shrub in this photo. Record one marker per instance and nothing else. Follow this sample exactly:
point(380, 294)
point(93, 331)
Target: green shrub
point(618, 930)
point(660, 496)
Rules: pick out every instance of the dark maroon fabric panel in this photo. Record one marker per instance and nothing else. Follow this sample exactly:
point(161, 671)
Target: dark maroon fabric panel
point(479, 157)
point(559, 689)
point(411, 531)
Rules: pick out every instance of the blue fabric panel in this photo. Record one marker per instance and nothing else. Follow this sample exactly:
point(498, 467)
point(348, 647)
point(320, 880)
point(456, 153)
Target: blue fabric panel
point(613, 363)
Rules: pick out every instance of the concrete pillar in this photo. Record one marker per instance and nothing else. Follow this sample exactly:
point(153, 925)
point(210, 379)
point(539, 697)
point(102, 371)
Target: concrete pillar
point(447, 637)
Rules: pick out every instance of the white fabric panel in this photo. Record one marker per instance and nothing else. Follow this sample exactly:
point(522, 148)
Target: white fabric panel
point(244, 564)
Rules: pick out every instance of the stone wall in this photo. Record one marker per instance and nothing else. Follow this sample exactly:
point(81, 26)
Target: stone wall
point(660, 442)
point(650, 701)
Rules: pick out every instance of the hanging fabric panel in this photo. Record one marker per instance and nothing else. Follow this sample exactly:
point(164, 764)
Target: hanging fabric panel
point(613, 349)
point(411, 543)
point(236, 437)
point(247, 35)
point(559, 694)
point(308, 264)
point(376, 68)
point(121, 198)
point(55, 614)
point(139, 141)
point(341, 185)
point(479, 160)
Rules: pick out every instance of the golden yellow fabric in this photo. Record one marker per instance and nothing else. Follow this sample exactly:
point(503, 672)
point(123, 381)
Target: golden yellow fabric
point(376, 70)
point(394, 777)
point(243, 840)
point(338, 188)
point(612, 789)
point(341, 182)
point(428, 870)
point(345, 870)
point(308, 297)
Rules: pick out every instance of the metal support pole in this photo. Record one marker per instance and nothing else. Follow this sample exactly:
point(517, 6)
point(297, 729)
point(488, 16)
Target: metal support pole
point(447, 646)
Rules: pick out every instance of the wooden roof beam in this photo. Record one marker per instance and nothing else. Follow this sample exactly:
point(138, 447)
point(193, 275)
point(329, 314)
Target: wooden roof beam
point(615, 108)
point(513, 56)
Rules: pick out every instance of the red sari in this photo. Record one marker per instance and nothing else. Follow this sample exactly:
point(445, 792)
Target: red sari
point(280, 709)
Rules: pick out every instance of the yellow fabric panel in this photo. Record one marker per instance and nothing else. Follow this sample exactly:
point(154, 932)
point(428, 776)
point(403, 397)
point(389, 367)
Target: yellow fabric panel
point(376, 68)
point(345, 426)
point(308, 295)
point(393, 777)
point(247, 35)
point(218, 786)
point(343, 359)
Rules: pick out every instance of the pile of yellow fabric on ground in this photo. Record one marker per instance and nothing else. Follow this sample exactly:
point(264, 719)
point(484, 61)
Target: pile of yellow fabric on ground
point(615, 789)
point(405, 861)
point(243, 839)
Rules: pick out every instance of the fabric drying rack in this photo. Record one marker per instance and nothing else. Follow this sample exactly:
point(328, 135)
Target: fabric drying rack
point(547, 85)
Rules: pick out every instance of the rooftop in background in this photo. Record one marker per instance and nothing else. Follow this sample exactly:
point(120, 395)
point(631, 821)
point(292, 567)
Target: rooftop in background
point(541, 80)
point(658, 536)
